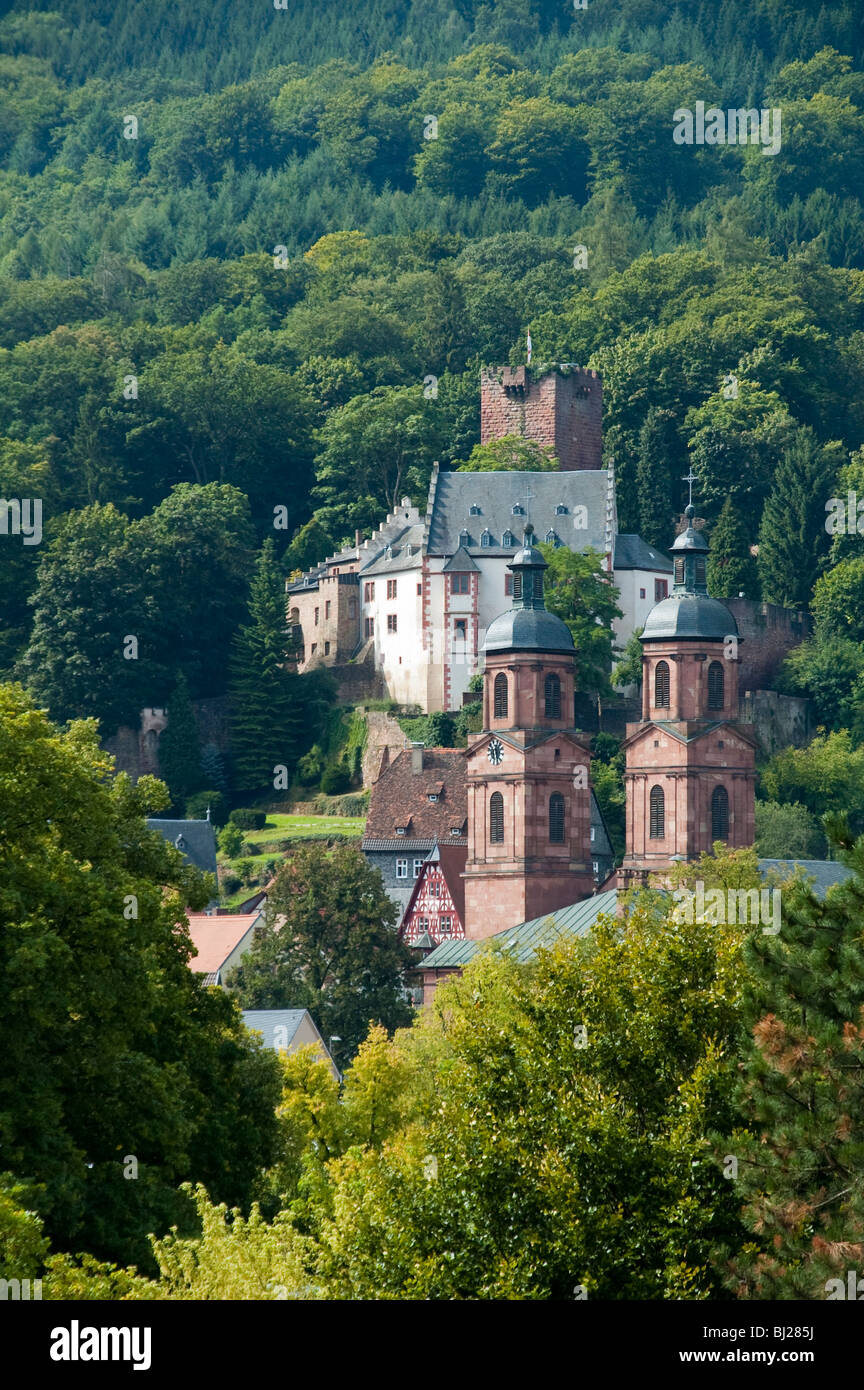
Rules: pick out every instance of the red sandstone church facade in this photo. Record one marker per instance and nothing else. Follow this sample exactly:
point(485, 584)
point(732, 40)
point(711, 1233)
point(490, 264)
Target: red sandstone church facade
point(690, 768)
point(529, 791)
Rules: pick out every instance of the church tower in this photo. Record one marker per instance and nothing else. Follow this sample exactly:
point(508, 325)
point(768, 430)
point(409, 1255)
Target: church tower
point(690, 765)
point(529, 789)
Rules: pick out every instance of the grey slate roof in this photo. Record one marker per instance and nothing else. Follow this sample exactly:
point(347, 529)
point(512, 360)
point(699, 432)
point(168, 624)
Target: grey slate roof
point(379, 562)
point(826, 872)
point(197, 840)
point(693, 617)
point(460, 562)
point(632, 553)
point(528, 629)
point(495, 494)
point(525, 940)
point(266, 1021)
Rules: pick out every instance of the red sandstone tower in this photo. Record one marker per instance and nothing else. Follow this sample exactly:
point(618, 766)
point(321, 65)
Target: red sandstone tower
point(690, 764)
point(563, 408)
point(529, 811)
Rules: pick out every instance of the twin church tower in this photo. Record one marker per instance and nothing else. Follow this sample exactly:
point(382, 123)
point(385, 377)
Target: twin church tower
point(690, 764)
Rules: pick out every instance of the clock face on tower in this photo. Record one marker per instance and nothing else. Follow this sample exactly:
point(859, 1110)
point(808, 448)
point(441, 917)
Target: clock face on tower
point(495, 751)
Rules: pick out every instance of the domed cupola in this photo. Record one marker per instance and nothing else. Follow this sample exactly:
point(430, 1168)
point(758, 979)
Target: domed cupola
point(688, 613)
point(527, 626)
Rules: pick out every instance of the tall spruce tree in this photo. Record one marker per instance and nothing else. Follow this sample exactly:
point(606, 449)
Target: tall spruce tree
point(179, 753)
point(731, 567)
point(266, 699)
point(793, 543)
point(801, 1157)
point(658, 447)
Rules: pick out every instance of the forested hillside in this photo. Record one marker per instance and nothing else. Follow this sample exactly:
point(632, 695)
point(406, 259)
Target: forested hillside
point(235, 241)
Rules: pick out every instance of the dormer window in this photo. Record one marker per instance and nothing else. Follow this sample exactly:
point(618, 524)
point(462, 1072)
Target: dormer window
point(401, 830)
point(486, 538)
point(552, 537)
point(508, 538)
point(560, 510)
point(389, 552)
point(464, 538)
point(433, 796)
point(180, 843)
point(474, 510)
point(518, 509)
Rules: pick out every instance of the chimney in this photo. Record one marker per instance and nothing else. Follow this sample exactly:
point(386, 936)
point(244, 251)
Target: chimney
point(358, 537)
point(417, 758)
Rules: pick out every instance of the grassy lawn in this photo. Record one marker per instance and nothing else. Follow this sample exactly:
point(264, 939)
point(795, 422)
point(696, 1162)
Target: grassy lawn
point(282, 827)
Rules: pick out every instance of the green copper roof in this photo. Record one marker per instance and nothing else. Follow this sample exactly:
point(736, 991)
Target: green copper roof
point(529, 937)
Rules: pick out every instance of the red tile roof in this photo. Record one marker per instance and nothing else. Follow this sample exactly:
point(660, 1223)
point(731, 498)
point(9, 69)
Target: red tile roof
point(215, 938)
point(401, 795)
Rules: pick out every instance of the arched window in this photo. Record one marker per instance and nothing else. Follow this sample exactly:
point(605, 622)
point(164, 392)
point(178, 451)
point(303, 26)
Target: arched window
point(556, 819)
point(661, 685)
point(500, 688)
point(719, 814)
point(553, 696)
point(496, 819)
point(656, 829)
point(716, 686)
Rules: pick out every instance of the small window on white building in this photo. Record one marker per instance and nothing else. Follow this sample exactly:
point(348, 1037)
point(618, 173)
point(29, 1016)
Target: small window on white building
point(641, 593)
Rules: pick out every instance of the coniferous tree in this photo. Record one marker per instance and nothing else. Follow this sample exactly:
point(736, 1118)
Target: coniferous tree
point(802, 1095)
point(266, 703)
point(179, 755)
point(793, 542)
point(731, 567)
point(658, 444)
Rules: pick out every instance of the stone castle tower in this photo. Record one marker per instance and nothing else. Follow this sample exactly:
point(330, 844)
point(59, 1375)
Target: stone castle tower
point(529, 808)
point(690, 765)
point(563, 408)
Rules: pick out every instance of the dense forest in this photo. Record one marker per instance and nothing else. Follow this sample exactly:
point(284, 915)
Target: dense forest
point(234, 244)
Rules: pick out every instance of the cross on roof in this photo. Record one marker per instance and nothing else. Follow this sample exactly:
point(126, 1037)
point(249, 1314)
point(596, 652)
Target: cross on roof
point(528, 496)
point(691, 479)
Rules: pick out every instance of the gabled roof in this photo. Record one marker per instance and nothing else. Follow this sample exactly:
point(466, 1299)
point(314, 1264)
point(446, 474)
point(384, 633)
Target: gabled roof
point(266, 1020)
point(526, 939)
point(630, 552)
point(215, 938)
point(195, 839)
point(826, 872)
point(399, 797)
point(460, 562)
point(398, 558)
point(451, 860)
point(495, 495)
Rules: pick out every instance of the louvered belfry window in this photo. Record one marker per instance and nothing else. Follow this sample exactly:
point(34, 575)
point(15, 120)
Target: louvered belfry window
point(716, 686)
point(720, 814)
point(661, 685)
point(496, 819)
point(656, 828)
point(553, 696)
point(556, 819)
point(500, 689)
